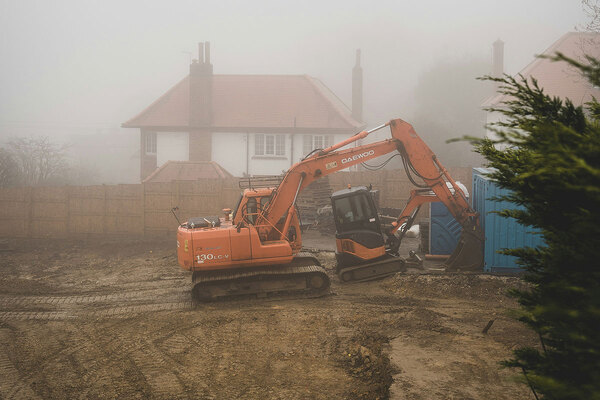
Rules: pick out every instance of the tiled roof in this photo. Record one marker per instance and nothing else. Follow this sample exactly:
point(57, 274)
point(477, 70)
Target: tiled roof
point(558, 78)
point(188, 171)
point(254, 101)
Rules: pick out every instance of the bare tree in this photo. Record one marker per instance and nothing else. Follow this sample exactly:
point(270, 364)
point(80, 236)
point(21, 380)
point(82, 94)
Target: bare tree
point(39, 159)
point(592, 10)
point(9, 169)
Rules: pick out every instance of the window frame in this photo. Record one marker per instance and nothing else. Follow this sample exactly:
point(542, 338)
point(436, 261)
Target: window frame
point(150, 143)
point(324, 141)
point(270, 145)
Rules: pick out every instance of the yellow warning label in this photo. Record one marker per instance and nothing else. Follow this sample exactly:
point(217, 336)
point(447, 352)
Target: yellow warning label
point(330, 165)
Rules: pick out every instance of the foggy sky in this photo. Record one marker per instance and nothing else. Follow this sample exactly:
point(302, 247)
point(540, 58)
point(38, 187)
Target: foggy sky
point(99, 63)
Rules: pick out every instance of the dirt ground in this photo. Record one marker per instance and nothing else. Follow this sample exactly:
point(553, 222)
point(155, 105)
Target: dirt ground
point(114, 319)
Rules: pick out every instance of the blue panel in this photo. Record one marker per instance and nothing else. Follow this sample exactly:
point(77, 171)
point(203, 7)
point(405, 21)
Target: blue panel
point(480, 188)
point(445, 230)
point(500, 232)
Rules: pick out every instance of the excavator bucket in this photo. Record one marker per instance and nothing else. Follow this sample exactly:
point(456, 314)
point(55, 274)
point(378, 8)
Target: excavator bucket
point(468, 255)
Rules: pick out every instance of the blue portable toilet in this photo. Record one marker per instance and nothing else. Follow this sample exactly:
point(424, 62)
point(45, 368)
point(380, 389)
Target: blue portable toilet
point(500, 232)
point(444, 231)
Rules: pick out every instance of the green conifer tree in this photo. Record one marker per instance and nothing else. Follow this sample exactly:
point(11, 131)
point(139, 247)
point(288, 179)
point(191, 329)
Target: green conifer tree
point(547, 153)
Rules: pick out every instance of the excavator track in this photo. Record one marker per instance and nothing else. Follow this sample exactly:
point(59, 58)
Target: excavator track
point(304, 275)
point(371, 271)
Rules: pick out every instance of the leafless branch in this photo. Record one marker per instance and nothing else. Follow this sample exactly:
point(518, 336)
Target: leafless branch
point(39, 159)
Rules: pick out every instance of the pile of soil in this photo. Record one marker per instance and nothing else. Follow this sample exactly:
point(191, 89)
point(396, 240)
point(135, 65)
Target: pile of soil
point(465, 286)
point(366, 358)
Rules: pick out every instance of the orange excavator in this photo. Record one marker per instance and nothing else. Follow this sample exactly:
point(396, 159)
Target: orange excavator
point(258, 249)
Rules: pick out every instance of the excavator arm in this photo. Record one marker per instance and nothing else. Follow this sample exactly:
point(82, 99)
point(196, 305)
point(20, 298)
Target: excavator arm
point(418, 160)
point(438, 186)
point(422, 162)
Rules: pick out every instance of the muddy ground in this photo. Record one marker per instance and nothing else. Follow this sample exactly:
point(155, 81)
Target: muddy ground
point(114, 319)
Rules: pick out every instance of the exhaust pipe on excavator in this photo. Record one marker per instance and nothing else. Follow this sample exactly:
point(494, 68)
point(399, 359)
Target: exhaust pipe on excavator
point(468, 255)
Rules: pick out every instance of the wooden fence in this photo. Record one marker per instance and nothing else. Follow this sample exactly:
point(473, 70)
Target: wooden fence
point(145, 209)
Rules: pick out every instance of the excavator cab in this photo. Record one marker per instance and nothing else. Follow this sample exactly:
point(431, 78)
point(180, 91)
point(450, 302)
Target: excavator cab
point(361, 248)
point(251, 204)
point(358, 229)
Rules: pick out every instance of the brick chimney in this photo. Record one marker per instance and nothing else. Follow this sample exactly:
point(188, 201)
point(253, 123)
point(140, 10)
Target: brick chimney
point(201, 71)
point(357, 89)
point(200, 113)
point(497, 60)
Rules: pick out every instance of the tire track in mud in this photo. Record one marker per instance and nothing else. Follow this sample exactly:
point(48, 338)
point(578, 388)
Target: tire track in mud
point(163, 376)
point(122, 304)
point(129, 302)
point(91, 298)
point(160, 375)
point(12, 385)
point(107, 312)
point(112, 305)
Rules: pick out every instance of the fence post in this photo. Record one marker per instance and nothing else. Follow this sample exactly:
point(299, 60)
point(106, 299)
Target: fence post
point(175, 193)
point(143, 208)
point(104, 216)
point(220, 202)
point(30, 212)
point(68, 206)
point(174, 190)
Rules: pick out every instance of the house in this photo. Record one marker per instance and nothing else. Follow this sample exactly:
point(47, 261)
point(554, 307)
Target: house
point(248, 124)
point(556, 78)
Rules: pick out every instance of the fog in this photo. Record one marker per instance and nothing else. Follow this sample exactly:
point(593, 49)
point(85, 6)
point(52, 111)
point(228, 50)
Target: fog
point(76, 70)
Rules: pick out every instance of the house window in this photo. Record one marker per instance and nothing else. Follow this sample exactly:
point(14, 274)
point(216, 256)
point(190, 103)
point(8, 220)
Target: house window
point(150, 142)
point(259, 144)
point(269, 145)
point(312, 142)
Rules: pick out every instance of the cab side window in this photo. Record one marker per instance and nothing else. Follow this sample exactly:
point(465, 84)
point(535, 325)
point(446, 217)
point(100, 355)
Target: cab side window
point(251, 210)
point(355, 212)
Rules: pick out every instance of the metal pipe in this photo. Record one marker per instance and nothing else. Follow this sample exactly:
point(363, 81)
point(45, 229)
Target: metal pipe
point(354, 138)
point(437, 257)
point(298, 189)
point(288, 220)
point(378, 127)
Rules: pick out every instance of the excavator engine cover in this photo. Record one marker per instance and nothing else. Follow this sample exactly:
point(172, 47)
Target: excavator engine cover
point(203, 222)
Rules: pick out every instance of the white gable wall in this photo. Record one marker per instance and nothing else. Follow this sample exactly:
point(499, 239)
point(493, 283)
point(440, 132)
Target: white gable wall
point(172, 146)
point(229, 151)
point(493, 118)
point(240, 155)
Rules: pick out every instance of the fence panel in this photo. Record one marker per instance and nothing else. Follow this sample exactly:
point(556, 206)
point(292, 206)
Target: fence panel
point(145, 209)
point(49, 212)
point(14, 211)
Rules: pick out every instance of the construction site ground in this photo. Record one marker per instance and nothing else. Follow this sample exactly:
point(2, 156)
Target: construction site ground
point(100, 318)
